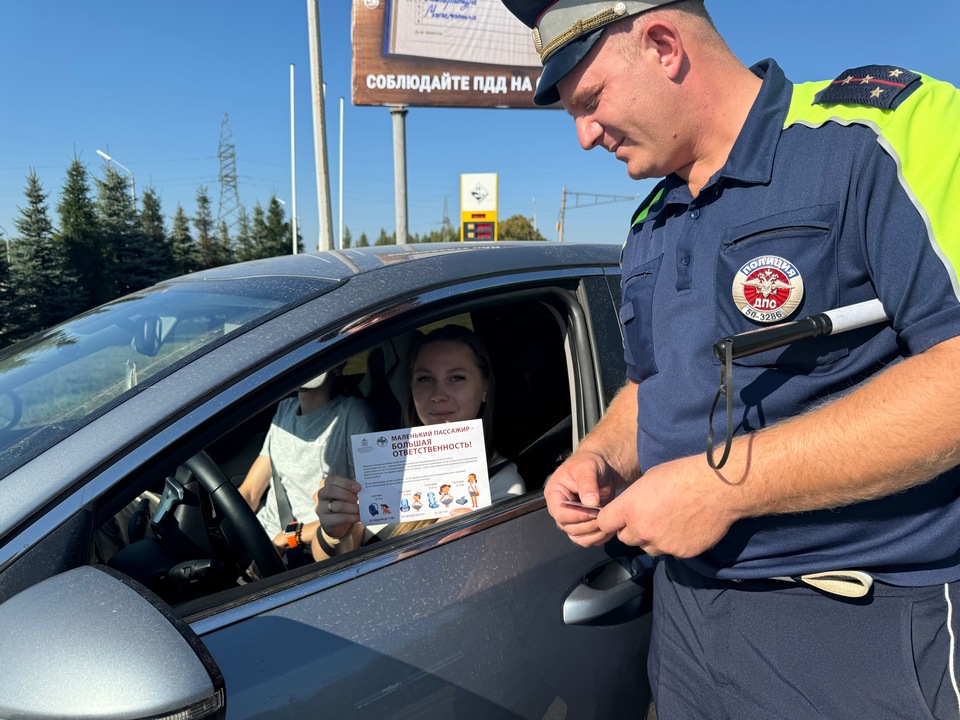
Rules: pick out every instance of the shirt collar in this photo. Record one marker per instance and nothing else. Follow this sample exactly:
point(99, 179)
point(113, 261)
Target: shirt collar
point(751, 158)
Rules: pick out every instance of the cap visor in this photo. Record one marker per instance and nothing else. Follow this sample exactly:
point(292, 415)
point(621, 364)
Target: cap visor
point(559, 64)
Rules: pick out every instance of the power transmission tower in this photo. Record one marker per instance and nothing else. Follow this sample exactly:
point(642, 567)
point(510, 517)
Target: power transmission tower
point(229, 210)
point(446, 227)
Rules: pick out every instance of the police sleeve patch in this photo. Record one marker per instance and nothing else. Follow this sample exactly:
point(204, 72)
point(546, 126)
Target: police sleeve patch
point(880, 86)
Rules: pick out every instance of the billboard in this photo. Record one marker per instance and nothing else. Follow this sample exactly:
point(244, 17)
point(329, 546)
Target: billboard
point(449, 53)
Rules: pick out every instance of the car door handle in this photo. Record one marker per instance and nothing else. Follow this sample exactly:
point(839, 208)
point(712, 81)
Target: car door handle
point(608, 587)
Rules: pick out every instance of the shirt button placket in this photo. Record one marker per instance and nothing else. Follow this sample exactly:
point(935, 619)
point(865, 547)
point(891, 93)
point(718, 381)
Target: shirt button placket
point(685, 251)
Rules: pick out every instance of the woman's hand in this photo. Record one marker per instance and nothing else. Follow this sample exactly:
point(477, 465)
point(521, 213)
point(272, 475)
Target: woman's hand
point(338, 505)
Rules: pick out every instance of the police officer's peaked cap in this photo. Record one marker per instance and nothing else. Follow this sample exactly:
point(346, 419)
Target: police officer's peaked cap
point(565, 30)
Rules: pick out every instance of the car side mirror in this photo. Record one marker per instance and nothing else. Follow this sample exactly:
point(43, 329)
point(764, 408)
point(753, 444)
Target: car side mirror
point(93, 643)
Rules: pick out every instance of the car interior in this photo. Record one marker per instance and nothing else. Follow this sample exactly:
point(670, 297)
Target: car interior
point(177, 535)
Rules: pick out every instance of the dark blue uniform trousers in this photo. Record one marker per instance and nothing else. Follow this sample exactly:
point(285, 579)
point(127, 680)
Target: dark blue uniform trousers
point(770, 650)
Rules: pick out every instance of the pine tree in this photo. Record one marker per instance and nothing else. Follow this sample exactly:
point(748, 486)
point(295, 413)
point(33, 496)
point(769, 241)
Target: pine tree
point(208, 247)
point(224, 243)
point(245, 246)
point(182, 246)
point(278, 230)
point(347, 238)
point(41, 288)
point(299, 238)
point(363, 242)
point(82, 240)
point(7, 308)
point(122, 232)
point(157, 249)
point(384, 239)
point(258, 232)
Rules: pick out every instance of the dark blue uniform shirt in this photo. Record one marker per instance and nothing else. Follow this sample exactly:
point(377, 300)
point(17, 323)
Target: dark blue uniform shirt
point(826, 204)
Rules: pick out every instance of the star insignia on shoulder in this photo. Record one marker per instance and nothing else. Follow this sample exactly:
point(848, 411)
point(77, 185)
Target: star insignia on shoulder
point(881, 86)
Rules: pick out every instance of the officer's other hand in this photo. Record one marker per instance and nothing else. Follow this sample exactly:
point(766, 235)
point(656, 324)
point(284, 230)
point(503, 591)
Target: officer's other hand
point(584, 478)
point(679, 508)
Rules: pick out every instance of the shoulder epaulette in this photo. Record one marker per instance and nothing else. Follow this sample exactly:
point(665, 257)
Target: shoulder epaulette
point(880, 86)
point(648, 202)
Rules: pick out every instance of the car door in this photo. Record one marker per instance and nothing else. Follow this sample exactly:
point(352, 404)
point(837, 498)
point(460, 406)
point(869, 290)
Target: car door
point(465, 624)
point(493, 614)
point(466, 621)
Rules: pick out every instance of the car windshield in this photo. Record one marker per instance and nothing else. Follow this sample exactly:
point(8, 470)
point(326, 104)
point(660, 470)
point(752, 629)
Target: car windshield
point(59, 380)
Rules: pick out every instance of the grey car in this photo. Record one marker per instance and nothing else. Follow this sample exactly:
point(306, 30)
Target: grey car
point(138, 420)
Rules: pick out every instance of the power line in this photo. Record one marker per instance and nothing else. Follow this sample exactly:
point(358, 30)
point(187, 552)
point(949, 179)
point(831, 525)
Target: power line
point(598, 199)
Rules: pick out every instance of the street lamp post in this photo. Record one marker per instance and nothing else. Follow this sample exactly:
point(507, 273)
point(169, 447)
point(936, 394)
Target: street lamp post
point(133, 184)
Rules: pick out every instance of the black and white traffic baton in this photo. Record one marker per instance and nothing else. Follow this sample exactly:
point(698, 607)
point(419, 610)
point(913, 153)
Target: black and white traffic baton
point(728, 349)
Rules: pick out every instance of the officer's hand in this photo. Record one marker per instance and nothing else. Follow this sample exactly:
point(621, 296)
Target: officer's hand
point(680, 508)
point(585, 478)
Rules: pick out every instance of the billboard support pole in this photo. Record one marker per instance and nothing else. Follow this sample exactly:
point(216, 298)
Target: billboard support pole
point(399, 114)
point(293, 168)
point(319, 129)
point(340, 184)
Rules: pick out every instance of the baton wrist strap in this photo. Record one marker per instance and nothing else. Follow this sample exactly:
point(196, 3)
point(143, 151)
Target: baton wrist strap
point(726, 389)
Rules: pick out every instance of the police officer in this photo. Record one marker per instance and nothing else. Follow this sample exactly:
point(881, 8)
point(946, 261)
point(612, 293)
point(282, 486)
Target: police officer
point(815, 575)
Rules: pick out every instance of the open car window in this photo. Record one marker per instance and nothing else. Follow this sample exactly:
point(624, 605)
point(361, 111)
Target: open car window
point(186, 557)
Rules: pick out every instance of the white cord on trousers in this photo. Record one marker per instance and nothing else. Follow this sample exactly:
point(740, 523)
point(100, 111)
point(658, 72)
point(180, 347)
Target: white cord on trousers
point(953, 644)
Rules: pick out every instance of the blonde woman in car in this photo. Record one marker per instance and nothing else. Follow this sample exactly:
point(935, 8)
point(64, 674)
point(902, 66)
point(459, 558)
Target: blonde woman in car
point(451, 381)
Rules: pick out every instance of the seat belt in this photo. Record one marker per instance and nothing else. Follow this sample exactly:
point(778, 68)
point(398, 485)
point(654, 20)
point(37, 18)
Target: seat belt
point(283, 502)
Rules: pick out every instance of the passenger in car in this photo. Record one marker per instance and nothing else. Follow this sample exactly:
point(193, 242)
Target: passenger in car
point(451, 381)
point(309, 438)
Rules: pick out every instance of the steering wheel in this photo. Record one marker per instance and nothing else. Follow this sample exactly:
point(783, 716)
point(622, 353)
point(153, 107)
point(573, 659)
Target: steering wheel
point(241, 529)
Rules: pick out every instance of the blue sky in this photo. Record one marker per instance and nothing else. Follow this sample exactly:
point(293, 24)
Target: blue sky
point(149, 82)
